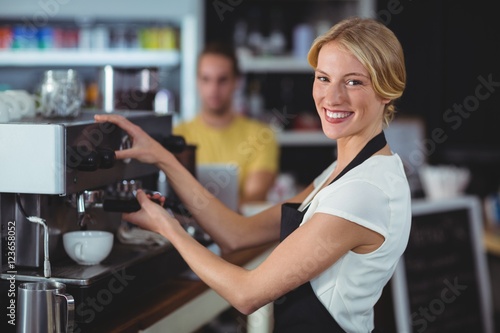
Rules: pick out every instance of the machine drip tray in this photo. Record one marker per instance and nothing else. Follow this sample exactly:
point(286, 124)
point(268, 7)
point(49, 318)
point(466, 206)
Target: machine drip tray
point(99, 290)
point(67, 271)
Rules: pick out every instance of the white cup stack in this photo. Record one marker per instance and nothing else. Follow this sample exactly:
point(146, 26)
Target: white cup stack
point(443, 181)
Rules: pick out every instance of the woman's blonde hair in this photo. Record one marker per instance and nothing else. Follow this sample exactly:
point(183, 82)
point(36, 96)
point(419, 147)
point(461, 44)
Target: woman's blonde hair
point(377, 48)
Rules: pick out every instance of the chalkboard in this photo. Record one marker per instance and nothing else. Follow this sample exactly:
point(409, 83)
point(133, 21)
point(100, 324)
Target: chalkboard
point(441, 283)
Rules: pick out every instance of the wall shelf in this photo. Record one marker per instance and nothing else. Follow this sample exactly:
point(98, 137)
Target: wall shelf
point(120, 58)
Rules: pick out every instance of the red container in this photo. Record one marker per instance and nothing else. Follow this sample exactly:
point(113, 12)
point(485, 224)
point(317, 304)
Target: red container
point(5, 38)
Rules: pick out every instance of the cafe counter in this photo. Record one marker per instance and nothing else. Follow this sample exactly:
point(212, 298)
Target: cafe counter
point(181, 304)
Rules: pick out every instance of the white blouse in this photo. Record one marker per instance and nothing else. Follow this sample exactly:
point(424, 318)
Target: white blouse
point(375, 195)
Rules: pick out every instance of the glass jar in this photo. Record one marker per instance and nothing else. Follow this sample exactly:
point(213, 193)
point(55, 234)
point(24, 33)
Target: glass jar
point(61, 94)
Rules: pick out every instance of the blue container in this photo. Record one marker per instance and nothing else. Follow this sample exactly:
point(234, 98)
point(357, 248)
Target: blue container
point(24, 37)
point(45, 38)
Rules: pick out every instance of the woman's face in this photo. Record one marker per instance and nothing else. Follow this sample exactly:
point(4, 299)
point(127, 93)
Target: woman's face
point(344, 97)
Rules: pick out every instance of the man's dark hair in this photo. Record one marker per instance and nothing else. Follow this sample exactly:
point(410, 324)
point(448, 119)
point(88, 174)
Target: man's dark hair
point(222, 49)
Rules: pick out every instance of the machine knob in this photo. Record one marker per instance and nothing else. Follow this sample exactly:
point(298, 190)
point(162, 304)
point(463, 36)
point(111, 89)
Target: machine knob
point(107, 158)
point(174, 143)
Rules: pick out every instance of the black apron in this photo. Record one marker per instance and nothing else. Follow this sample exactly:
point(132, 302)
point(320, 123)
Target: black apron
point(300, 311)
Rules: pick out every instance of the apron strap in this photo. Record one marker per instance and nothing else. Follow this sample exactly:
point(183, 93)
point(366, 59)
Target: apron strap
point(374, 145)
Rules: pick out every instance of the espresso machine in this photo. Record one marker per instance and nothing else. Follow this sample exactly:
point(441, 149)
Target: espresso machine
point(61, 175)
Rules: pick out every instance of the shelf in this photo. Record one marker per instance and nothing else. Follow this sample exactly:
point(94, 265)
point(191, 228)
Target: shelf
point(120, 58)
point(304, 138)
point(274, 64)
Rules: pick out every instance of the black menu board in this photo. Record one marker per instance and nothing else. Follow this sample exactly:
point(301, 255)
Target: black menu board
point(441, 283)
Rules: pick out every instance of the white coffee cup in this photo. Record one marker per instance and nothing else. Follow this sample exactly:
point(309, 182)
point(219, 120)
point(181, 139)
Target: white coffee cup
point(88, 247)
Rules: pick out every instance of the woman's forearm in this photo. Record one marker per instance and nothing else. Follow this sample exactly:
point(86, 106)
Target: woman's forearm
point(232, 282)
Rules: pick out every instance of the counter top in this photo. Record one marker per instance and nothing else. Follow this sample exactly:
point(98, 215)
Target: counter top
point(161, 302)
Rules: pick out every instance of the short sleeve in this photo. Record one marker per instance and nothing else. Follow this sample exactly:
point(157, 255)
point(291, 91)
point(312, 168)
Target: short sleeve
point(358, 201)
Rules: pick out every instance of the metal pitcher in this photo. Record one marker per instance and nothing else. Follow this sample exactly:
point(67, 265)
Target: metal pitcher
point(45, 307)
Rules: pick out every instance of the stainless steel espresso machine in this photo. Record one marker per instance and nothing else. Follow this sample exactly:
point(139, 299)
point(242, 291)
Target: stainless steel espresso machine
point(65, 174)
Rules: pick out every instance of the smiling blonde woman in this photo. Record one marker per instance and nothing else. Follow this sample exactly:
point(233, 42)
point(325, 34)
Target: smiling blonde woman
point(341, 237)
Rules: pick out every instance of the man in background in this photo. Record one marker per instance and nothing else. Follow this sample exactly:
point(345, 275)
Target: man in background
point(224, 136)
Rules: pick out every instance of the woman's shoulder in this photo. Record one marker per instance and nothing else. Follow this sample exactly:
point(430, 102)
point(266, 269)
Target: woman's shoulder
point(385, 172)
point(377, 163)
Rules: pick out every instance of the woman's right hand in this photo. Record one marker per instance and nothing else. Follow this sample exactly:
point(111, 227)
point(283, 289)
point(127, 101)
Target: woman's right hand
point(144, 148)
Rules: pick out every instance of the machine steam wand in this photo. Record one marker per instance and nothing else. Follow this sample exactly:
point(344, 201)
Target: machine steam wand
point(46, 262)
point(35, 219)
